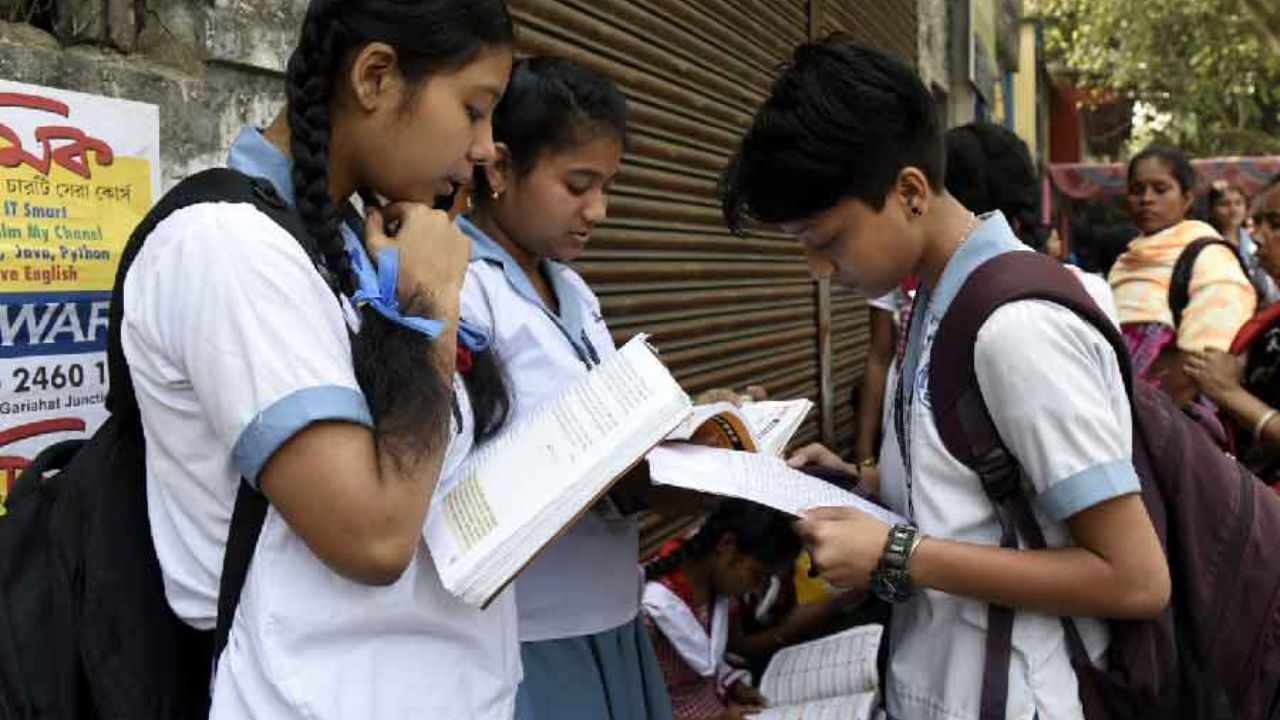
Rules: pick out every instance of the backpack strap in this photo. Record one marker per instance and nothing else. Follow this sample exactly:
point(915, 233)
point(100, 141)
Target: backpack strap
point(213, 185)
point(220, 185)
point(968, 432)
point(1184, 268)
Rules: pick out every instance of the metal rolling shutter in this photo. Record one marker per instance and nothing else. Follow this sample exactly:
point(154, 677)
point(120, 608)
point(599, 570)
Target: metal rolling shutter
point(725, 311)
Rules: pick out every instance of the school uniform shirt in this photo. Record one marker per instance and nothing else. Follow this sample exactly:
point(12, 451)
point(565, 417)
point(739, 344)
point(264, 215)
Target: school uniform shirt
point(586, 582)
point(235, 344)
point(1054, 390)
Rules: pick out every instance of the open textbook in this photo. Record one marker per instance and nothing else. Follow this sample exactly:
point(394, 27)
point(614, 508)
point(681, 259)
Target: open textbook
point(521, 490)
point(764, 426)
point(834, 678)
point(762, 479)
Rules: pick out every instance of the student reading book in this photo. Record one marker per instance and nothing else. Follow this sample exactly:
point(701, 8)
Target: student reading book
point(561, 131)
point(691, 605)
point(847, 155)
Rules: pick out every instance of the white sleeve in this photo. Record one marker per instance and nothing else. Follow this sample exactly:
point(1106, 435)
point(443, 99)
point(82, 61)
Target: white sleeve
point(892, 301)
point(475, 307)
point(1053, 387)
point(237, 310)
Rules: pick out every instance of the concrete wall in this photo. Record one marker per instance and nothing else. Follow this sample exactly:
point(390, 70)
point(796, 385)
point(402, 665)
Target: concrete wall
point(211, 65)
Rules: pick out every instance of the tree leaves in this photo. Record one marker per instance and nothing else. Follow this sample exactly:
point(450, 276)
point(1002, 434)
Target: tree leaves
point(1207, 63)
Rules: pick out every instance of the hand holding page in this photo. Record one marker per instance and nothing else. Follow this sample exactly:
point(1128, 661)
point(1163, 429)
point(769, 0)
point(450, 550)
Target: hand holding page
point(759, 478)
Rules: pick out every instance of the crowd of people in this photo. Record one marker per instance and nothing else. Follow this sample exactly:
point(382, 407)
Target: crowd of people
point(350, 415)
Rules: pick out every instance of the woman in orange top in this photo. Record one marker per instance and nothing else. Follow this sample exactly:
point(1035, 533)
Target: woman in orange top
point(1221, 299)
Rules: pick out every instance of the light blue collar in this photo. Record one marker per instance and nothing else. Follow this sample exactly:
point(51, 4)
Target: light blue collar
point(569, 319)
point(992, 237)
point(252, 154)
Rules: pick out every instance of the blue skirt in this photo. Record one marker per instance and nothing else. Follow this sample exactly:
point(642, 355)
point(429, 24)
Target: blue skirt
point(612, 675)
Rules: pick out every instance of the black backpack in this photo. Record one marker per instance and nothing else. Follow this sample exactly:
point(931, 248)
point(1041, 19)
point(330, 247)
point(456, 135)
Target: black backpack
point(1184, 268)
point(1214, 652)
point(85, 629)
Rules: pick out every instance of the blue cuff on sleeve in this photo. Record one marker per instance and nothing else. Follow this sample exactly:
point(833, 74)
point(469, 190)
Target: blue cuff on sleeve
point(1089, 487)
point(288, 416)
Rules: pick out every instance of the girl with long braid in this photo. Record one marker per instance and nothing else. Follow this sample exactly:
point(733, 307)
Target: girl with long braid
point(689, 598)
point(342, 389)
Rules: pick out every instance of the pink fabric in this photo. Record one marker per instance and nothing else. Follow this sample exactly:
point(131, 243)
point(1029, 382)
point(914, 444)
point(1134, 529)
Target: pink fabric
point(1145, 342)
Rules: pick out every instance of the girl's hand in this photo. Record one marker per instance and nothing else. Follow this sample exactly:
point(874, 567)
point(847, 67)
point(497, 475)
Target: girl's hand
point(1217, 373)
point(739, 712)
point(433, 253)
point(715, 395)
point(822, 456)
point(845, 544)
point(747, 697)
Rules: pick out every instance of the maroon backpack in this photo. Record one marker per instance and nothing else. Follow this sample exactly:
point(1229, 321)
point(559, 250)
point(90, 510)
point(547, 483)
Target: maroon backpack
point(1214, 652)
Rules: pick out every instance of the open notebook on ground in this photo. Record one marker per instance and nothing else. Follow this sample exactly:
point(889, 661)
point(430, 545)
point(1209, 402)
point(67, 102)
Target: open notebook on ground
point(834, 678)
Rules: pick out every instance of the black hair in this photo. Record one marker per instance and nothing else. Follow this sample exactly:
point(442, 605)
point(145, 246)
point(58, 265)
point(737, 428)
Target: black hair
point(989, 168)
point(1174, 159)
point(551, 105)
point(759, 532)
point(1217, 191)
point(407, 393)
point(841, 121)
point(1221, 189)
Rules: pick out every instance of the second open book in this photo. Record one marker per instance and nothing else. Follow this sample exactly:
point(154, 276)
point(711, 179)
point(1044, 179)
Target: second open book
point(834, 678)
point(520, 491)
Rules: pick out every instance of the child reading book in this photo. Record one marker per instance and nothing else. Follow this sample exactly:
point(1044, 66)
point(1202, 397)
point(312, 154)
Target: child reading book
point(689, 602)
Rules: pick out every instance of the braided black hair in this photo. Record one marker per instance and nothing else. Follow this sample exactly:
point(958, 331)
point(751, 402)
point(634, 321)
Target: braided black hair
point(759, 532)
point(551, 105)
point(407, 394)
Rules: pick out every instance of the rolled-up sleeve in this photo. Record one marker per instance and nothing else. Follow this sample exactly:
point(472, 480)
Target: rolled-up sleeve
point(233, 302)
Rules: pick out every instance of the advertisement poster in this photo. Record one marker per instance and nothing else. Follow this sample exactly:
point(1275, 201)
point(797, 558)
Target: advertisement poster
point(77, 173)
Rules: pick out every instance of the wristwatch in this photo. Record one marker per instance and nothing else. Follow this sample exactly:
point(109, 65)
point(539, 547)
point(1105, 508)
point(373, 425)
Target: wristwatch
point(891, 581)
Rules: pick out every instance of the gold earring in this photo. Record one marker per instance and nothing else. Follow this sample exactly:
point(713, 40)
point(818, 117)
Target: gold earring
point(497, 194)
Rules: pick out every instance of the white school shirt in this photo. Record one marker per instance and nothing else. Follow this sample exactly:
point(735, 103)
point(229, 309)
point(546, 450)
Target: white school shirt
point(234, 345)
point(1055, 392)
point(586, 582)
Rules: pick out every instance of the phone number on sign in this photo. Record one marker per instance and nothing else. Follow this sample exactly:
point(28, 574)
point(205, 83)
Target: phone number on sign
point(42, 378)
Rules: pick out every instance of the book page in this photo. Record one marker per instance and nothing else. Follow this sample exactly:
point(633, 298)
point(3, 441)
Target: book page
point(853, 707)
point(623, 406)
point(775, 422)
point(762, 479)
point(840, 665)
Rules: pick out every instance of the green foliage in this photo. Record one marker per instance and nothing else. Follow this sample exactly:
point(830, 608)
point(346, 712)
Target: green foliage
point(1207, 64)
